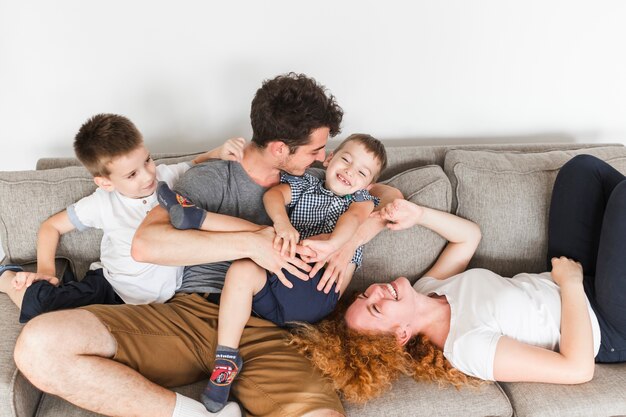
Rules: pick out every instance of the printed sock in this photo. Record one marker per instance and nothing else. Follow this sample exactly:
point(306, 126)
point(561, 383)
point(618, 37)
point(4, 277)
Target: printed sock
point(167, 197)
point(187, 407)
point(227, 365)
point(183, 214)
point(187, 217)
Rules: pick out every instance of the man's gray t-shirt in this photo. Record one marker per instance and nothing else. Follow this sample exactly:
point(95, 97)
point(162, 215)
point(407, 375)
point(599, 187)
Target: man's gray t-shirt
point(220, 187)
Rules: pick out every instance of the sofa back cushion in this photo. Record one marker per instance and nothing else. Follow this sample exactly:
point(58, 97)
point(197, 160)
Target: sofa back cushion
point(29, 198)
point(508, 195)
point(37, 195)
point(408, 252)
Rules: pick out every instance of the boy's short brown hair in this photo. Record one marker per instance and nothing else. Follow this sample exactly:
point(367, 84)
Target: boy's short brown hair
point(102, 138)
point(372, 145)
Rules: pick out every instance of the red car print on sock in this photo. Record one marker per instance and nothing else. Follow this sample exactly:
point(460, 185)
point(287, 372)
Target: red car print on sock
point(223, 374)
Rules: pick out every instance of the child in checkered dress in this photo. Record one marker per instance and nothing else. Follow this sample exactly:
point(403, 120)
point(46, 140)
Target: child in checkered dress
point(335, 206)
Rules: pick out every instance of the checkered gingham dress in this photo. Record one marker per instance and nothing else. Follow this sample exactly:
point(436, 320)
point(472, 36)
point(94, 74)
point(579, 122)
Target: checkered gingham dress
point(315, 210)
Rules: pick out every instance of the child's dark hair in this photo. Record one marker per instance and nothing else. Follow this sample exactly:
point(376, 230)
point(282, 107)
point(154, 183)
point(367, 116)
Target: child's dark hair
point(372, 145)
point(102, 138)
point(289, 107)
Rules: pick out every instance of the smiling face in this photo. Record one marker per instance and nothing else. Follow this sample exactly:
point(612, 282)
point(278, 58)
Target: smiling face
point(132, 175)
point(383, 308)
point(351, 169)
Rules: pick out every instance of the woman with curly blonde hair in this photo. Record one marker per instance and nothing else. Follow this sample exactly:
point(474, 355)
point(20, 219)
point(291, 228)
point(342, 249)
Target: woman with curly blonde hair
point(362, 366)
point(452, 324)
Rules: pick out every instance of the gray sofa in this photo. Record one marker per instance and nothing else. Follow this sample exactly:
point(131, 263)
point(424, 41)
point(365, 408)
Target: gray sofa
point(504, 188)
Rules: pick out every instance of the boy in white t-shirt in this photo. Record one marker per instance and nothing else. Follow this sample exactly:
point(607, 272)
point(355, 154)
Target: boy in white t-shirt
point(112, 149)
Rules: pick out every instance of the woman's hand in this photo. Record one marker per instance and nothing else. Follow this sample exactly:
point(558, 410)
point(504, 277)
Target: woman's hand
point(401, 214)
point(566, 271)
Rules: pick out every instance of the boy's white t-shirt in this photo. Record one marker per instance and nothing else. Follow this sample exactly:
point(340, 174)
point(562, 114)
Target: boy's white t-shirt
point(485, 306)
point(119, 217)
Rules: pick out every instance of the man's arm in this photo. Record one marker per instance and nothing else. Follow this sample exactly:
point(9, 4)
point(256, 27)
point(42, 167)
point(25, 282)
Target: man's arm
point(216, 222)
point(157, 241)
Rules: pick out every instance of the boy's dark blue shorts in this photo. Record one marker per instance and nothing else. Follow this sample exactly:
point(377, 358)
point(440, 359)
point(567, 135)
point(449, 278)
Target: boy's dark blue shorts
point(303, 302)
point(42, 297)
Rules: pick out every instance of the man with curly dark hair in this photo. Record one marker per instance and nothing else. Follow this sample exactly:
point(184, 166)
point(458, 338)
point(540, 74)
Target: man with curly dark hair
point(116, 361)
point(282, 109)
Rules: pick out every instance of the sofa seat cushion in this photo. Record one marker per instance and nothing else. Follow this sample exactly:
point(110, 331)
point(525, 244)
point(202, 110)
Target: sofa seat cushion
point(421, 399)
point(408, 398)
point(18, 397)
point(408, 252)
point(603, 396)
point(508, 195)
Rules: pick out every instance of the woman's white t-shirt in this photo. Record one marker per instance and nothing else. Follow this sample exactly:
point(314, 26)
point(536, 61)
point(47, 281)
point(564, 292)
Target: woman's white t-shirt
point(485, 306)
point(119, 217)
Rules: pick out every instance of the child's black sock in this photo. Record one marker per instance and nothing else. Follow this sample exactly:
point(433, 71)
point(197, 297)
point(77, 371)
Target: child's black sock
point(183, 214)
point(228, 364)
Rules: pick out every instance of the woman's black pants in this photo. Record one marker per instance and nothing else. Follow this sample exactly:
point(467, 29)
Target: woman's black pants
point(588, 224)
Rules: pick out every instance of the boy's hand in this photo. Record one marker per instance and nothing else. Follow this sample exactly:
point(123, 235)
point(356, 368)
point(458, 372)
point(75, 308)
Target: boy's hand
point(23, 280)
point(566, 271)
point(401, 214)
point(289, 236)
point(336, 267)
point(232, 149)
point(336, 264)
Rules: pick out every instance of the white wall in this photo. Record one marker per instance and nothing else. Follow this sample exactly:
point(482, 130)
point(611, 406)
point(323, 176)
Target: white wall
point(424, 71)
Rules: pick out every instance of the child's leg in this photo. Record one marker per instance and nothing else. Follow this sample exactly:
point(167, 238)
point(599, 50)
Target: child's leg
point(183, 213)
point(579, 198)
point(243, 280)
point(42, 297)
point(610, 282)
point(7, 287)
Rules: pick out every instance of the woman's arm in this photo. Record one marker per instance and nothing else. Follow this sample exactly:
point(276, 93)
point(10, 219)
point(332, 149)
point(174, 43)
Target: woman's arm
point(574, 363)
point(463, 236)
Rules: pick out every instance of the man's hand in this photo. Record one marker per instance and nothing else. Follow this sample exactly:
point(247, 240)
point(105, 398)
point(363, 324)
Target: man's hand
point(23, 280)
point(268, 258)
point(401, 214)
point(566, 271)
point(287, 237)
